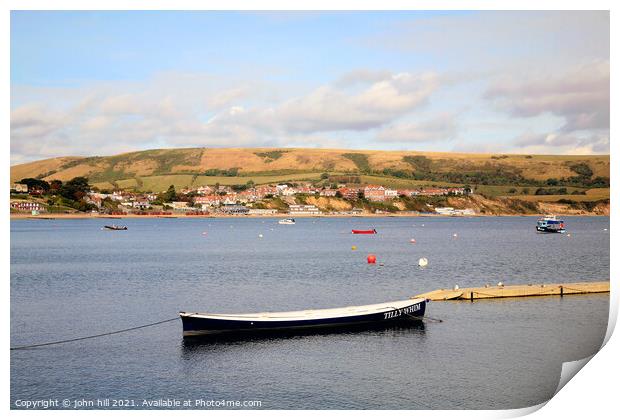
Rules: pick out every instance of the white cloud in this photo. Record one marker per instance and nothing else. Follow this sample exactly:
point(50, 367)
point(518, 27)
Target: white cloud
point(440, 128)
point(152, 114)
point(580, 96)
point(563, 143)
point(328, 108)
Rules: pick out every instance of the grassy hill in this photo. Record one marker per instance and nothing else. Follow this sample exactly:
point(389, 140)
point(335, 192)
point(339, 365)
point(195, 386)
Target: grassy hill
point(155, 170)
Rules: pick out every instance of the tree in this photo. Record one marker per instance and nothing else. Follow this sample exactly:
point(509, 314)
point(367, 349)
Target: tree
point(170, 195)
point(75, 189)
point(108, 203)
point(55, 185)
point(35, 184)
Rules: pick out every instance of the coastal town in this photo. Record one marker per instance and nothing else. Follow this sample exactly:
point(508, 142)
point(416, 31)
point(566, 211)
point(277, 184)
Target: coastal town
point(296, 199)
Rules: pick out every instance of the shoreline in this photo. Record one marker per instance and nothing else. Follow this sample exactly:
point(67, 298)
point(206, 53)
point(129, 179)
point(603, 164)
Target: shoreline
point(51, 216)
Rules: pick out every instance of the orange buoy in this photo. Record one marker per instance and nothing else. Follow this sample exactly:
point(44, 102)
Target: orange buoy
point(372, 259)
point(412, 241)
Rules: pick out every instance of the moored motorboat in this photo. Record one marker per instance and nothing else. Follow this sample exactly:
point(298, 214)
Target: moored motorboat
point(115, 227)
point(364, 232)
point(550, 224)
point(287, 221)
point(205, 324)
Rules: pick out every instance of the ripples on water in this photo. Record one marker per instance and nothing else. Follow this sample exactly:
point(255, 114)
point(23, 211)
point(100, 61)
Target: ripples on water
point(69, 278)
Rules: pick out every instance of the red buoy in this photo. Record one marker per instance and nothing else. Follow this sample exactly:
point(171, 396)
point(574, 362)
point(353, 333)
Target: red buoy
point(372, 259)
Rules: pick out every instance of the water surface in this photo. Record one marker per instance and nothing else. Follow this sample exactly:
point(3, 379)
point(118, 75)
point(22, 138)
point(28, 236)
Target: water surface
point(69, 278)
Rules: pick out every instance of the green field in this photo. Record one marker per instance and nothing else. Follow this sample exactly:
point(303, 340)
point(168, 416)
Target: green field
point(258, 180)
point(159, 183)
point(593, 194)
point(392, 182)
point(504, 190)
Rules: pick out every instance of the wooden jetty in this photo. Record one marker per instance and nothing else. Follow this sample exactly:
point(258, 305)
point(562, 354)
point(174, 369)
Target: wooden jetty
point(505, 291)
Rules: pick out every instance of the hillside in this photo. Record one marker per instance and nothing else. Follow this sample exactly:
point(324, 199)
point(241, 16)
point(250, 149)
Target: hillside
point(155, 170)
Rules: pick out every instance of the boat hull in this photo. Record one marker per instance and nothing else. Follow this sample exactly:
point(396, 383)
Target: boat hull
point(545, 230)
point(203, 325)
point(116, 227)
point(363, 232)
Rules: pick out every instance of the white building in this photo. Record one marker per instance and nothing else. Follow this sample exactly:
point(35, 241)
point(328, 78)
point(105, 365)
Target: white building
point(20, 188)
point(390, 193)
point(446, 211)
point(303, 209)
point(262, 211)
point(26, 206)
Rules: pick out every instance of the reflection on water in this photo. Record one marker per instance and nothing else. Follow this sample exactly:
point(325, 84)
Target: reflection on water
point(394, 329)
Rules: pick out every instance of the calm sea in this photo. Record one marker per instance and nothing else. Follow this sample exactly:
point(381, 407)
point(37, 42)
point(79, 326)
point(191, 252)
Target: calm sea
point(70, 278)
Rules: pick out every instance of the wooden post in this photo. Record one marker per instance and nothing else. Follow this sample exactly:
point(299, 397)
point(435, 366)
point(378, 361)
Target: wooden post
point(561, 291)
point(471, 296)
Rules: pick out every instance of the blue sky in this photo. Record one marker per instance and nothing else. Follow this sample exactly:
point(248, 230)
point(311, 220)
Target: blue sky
point(98, 83)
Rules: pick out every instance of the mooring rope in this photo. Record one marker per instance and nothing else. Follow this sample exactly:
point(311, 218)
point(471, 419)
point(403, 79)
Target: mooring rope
point(422, 318)
point(30, 346)
point(418, 318)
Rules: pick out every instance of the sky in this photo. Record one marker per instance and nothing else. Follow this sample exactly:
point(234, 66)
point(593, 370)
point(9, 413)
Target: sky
point(102, 83)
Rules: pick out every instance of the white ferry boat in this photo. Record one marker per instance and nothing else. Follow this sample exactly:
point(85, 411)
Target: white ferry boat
point(550, 224)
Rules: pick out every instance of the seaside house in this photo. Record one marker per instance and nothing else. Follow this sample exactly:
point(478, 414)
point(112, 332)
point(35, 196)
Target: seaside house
point(95, 199)
point(374, 193)
point(247, 196)
point(117, 196)
point(262, 211)
point(349, 193)
point(141, 203)
point(434, 191)
point(409, 193)
point(389, 193)
point(228, 200)
point(204, 190)
point(19, 188)
point(208, 200)
point(263, 191)
point(328, 192)
point(301, 209)
point(234, 209)
point(445, 211)
point(27, 206)
point(287, 192)
point(180, 205)
point(456, 191)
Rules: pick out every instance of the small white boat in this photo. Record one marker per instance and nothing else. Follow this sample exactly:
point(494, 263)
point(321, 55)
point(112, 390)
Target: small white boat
point(287, 222)
point(115, 227)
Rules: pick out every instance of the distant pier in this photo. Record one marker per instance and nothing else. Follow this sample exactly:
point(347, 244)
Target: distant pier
point(492, 292)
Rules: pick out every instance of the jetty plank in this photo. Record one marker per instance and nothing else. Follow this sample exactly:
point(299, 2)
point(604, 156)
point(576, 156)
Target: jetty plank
point(490, 292)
